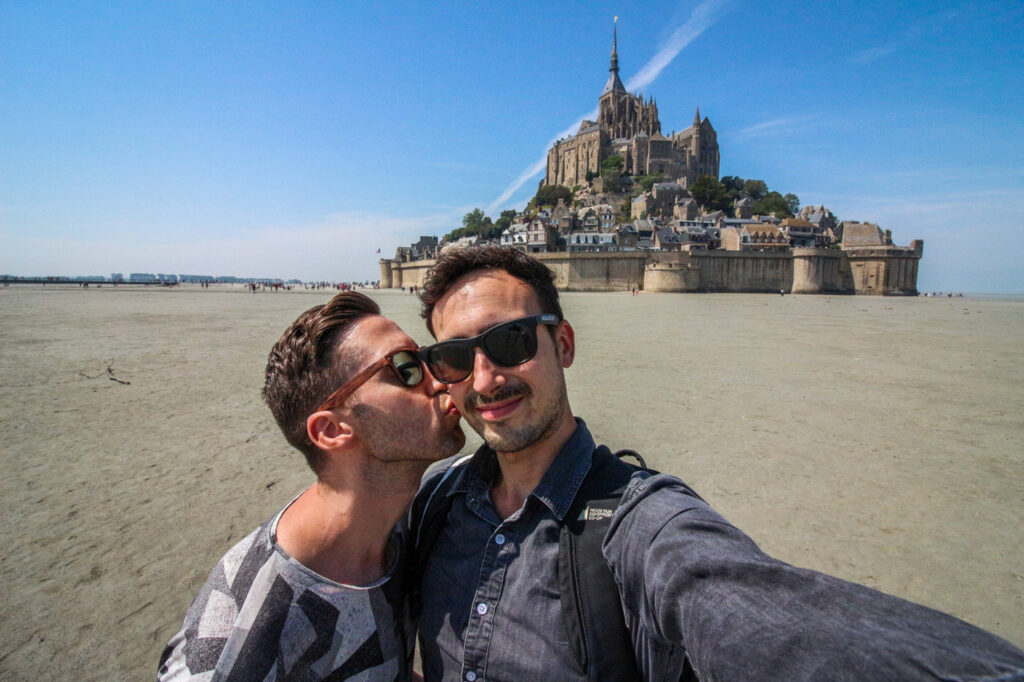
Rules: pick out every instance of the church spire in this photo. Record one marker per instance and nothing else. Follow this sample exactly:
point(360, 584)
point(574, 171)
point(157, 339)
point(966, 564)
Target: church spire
point(696, 117)
point(614, 84)
point(615, 47)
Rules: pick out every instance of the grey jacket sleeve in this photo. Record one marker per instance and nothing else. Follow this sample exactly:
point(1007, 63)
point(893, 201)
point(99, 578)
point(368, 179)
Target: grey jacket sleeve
point(693, 585)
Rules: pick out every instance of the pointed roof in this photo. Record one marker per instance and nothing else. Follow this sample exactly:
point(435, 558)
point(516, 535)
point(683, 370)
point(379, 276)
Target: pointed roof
point(696, 117)
point(614, 84)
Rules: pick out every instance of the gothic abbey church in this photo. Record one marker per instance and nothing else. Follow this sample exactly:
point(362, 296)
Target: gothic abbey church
point(629, 127)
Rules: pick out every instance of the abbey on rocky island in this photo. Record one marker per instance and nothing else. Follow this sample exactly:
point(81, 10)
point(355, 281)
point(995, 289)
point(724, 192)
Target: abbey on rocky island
point(628, 126)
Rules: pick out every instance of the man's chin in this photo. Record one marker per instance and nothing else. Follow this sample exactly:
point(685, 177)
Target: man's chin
point(509, 439)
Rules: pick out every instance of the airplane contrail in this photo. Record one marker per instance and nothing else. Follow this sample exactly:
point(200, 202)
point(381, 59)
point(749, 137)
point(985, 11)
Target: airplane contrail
point(703, 17)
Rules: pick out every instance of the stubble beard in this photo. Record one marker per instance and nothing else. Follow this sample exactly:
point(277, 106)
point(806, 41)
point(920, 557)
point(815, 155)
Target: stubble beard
point(398, 449)
point(503, 437)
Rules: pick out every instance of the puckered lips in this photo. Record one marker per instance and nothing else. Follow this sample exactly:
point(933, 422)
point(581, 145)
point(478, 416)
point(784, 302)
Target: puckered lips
point(448, 408)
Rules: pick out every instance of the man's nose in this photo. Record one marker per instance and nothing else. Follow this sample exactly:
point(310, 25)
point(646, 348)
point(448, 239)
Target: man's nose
point(487, 376)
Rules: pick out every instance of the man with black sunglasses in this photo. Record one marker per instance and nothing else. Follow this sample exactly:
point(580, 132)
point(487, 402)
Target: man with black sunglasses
point(691, 596)
point(317, 591)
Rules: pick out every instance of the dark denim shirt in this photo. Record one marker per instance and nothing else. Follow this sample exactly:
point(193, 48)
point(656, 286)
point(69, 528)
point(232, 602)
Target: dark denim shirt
point(692, 587)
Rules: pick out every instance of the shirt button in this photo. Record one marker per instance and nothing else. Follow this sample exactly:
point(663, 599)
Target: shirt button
point(499, 539)
point(481, 608)
point(470, 676)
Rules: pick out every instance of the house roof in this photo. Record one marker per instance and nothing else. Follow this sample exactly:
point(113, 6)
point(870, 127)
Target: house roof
point(667, 236)
point(862, 234)
point(763, 229)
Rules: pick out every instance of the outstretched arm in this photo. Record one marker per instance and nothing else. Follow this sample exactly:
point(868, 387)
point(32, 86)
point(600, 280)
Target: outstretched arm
point(694, 584)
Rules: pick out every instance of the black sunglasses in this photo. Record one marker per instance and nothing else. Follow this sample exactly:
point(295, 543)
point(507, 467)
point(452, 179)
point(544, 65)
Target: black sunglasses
point(507, 344)
point(405, 363)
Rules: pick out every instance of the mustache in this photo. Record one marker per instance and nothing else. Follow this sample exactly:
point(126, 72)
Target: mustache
point(476, 400)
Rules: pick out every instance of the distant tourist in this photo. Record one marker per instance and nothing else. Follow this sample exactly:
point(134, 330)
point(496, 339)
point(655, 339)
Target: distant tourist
point(514, 587)
point(317, 591)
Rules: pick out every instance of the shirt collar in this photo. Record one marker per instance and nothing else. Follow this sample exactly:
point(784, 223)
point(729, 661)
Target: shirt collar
point(556, 490)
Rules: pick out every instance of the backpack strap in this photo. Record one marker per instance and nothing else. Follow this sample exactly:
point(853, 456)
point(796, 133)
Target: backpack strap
point(427, 516)
point(591, 605)
point(590, 602)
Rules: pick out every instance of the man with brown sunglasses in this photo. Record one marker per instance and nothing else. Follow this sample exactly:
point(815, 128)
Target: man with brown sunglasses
point(316, 592)
point(510, 587)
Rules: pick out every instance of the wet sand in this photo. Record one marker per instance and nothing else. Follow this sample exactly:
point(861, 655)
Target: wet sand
point(880, 440)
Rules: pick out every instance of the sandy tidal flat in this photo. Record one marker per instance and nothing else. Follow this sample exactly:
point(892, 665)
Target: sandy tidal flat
point(879, 440)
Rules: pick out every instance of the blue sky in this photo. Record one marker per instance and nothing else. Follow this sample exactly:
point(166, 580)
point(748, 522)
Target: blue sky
point(294, 139)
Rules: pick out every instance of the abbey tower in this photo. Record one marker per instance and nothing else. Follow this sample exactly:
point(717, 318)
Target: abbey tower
point(628, 126)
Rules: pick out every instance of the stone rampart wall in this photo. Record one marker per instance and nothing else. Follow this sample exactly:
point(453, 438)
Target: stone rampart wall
point(745, 271)
point(887, 270)
point(613, 271)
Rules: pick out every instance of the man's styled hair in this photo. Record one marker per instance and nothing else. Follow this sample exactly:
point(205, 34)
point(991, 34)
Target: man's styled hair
point(304, 368)
point(456, 263)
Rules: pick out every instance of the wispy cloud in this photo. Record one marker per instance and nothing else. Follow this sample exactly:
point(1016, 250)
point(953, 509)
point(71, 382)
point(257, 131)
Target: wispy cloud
point(909, 34)
point(702, 18)
point(778, 126)
point(537, 166)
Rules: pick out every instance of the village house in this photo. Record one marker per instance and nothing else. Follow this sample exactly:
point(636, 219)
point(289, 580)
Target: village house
point(799, 232)
point(541, 237)
point(591, 241)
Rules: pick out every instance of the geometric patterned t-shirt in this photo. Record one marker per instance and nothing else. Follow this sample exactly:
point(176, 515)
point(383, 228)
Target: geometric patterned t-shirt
point(264, 616)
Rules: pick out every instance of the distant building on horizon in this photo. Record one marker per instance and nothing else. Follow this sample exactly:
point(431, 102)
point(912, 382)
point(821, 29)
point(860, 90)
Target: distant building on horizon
point(628, 126)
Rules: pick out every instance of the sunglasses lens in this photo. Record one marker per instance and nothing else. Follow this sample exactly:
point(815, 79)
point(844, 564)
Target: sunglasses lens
point(511, 344)
point(408, 367)
point(450, 362)
point(508, 345)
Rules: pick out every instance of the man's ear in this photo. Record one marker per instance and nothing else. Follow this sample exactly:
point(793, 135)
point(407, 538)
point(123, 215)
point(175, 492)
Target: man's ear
point(565, 343)
point(328, 431)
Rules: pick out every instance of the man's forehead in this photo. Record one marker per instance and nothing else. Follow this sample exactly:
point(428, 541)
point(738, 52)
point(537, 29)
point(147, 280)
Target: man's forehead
point(482, 299)
point(375, 335)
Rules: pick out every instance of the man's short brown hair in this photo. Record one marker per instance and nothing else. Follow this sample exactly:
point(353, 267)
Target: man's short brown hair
point(304, 367)
point(456, 263)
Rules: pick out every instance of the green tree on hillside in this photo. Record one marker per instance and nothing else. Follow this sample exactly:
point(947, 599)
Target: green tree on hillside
point(613, 162)
point(733, 189)
point(644, 183)
point(505, 220)
point(548, 195)
point(755, 189)
point(792, 202)
point(611, 173)
point(781, 206)
point(474, 224)
point(709, 193)
point(475, 221)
